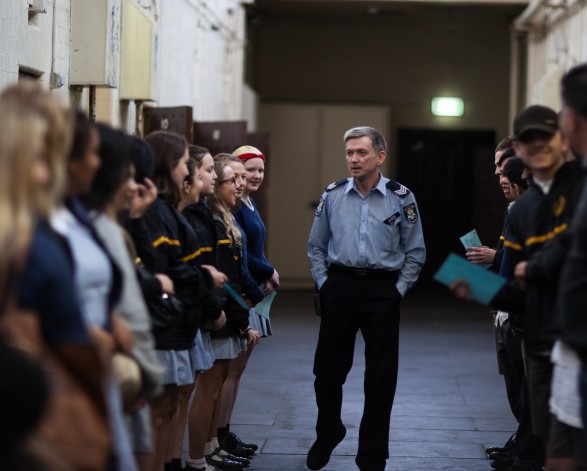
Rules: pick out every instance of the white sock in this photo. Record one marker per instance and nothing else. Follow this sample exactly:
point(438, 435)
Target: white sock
point(209, 448)
point(199, 464)
point(215, 442)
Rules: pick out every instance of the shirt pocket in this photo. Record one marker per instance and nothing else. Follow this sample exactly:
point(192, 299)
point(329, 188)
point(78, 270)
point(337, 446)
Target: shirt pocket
point(387, 234)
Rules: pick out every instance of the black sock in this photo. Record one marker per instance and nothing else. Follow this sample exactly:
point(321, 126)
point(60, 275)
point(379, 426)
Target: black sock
point(176, 464)
point(227, 428)
point(223, 431)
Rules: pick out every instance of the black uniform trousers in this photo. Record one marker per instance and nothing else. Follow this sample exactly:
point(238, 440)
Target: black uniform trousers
point(510, 364)
point(529, 447)
point(349, 303)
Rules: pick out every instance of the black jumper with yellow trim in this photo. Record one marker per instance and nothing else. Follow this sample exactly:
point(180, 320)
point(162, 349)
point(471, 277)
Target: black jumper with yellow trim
point(173, 249)
point(228, 261)
point(537, 232)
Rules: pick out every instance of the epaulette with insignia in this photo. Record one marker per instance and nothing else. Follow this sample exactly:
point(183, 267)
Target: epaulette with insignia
point(398, 188)
point(332, 186)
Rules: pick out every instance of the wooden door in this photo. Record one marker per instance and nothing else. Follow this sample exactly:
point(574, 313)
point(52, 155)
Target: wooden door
point(176, 119)
point(220, 136)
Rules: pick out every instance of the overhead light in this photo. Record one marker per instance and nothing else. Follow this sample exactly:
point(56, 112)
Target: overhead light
point(447, 106)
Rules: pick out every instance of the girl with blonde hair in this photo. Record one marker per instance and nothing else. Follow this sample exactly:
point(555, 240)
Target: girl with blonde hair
point(36, 271)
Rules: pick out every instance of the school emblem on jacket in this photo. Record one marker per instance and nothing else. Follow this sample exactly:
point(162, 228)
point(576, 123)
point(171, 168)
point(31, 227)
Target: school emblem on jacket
point(559, 206)
point(411, 213)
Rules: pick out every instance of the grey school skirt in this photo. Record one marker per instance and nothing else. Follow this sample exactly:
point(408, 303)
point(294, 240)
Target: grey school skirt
point(203, 352)
point(178, 366)
point(227, 348)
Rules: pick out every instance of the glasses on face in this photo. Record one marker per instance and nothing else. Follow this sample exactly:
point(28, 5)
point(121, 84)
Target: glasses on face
point(232, 180)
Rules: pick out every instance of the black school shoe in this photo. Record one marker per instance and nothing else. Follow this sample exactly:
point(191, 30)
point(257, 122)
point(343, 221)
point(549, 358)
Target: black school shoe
point(223, 463)
point(509, 445)
point(233, 445)
point(237, 459)
point(319, 453)
point(501, 455)
point(232, 438)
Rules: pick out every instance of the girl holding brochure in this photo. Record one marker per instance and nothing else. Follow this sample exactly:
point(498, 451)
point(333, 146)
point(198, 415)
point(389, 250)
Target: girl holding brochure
point(252, 161)
point(237, 366)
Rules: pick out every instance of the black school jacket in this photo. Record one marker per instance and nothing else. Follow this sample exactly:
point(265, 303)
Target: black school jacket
point(537, 231)
point(173, 249)
point(228, 261)
point(572, 300)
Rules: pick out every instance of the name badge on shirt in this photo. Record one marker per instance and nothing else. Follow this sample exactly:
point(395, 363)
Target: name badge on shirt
point(391, 218)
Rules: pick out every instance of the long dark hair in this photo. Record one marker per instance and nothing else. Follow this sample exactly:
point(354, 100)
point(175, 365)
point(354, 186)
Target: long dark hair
point(142, 157)
point(168, 148)
point(114, 168)
point(197, 153)
point(82, 135)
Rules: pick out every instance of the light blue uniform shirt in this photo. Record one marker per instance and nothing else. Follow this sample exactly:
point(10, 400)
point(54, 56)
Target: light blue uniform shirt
point(381, 230)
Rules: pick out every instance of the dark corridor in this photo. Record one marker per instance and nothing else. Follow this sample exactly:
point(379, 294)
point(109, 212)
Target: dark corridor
point(452, 175)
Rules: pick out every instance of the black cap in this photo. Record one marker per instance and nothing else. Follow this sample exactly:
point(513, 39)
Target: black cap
point(536, 118)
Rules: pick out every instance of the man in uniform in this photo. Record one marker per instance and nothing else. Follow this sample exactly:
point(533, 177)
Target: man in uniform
point(366, 248)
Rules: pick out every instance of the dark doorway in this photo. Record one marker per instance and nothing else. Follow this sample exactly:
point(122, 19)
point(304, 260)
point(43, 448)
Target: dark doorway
point(452, 175)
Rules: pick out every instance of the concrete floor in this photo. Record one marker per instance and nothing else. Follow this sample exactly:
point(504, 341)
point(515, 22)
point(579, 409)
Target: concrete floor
point(450, 401)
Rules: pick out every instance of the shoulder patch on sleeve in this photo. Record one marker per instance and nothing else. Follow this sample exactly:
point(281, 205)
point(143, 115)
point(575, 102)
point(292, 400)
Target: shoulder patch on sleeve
point(320, 207)
point(398, 188)
point(333, 185)
point(411, 213)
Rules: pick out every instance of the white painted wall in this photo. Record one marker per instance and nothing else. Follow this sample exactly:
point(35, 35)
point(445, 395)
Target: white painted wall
point(41, 45)
point(199, 57)
point(251, 108)
point(557, 42)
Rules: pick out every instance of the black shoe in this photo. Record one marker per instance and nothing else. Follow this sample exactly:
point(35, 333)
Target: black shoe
point(239, 451)
point(239, 442)
point(230, 442)
point(319, 454)
point(237, 459)
point(512, 442)
point(236, 450)
point(223, 463)
point(501, 455)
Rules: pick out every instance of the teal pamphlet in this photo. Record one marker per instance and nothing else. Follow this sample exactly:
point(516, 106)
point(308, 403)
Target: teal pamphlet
point(483, 284)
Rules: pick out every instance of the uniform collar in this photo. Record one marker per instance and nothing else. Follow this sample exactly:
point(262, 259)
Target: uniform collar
point(351, 185)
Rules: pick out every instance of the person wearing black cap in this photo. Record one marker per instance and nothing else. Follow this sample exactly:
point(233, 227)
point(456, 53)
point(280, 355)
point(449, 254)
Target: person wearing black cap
point(534, 251)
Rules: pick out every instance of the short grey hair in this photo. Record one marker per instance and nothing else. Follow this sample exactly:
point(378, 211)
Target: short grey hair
point(376, 137)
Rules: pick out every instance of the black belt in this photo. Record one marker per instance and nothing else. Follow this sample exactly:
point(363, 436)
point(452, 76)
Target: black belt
point(365, 273)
